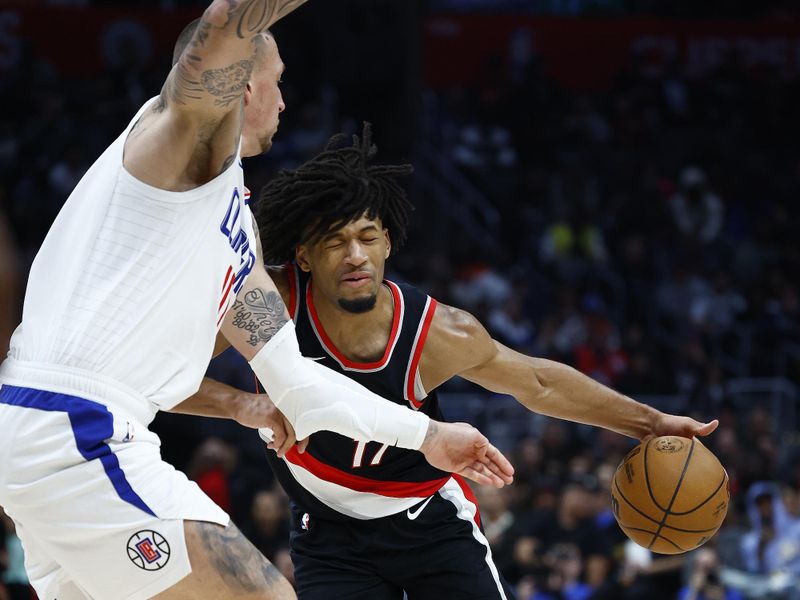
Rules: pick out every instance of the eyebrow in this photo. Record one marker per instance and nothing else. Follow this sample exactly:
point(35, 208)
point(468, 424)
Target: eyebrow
point(338, 234)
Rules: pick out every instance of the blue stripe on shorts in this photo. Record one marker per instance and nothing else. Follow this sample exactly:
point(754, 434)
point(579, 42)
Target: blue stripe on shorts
point(92, 424)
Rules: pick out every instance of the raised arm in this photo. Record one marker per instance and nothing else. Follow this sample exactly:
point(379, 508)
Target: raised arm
point(465, 348)
point(210, 76)
point(191, 133)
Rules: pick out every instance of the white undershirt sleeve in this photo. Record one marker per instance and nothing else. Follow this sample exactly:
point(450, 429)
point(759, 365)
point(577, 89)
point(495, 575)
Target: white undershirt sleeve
point(315, 398)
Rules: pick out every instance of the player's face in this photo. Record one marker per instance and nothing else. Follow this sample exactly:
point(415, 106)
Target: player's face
point(347, 264)
point(264, 103)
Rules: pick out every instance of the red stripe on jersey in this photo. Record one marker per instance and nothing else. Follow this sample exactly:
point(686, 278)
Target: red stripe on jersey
point(419, 344)
point(292, 290)
point(391, 489)
point(470, 496)
point(330, 347)
point(226, 287)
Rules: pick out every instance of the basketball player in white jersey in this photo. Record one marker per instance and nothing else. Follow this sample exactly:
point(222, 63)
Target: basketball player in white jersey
point(137, 275)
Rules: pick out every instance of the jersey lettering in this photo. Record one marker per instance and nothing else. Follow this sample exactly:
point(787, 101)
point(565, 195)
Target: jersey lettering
point(231, 228)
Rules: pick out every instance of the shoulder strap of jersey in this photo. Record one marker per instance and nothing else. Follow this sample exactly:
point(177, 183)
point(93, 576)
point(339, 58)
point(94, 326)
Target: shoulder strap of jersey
point(420, 311)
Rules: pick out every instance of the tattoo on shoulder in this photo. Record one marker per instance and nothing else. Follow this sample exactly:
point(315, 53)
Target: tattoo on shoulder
point(262, 314)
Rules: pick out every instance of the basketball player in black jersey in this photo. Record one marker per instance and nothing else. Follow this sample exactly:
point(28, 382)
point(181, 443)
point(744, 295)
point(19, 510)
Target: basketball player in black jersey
point(371, 521)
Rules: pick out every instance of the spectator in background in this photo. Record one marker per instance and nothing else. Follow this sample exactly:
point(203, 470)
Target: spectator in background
point(773, 543)
point(571, 524)
point(268, 529)
point(704, 579)
point(210, 467)
point(697, 212)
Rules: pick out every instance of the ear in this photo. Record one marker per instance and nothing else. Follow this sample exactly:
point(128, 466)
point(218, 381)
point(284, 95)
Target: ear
point(301, 258)
point(248, 93)
point(388, 242)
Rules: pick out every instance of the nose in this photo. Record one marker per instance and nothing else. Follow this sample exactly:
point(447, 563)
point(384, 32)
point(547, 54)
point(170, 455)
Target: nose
point(281, 105)
point(355, 254)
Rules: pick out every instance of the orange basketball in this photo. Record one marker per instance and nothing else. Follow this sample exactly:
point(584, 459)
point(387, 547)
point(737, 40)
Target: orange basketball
point(670, 494)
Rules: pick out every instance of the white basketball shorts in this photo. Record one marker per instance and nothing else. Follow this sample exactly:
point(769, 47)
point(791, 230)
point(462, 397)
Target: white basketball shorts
point(100, 515)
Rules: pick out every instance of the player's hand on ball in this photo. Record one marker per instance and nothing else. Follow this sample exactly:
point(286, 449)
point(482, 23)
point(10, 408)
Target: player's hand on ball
point(681, 426)
point(460, 448)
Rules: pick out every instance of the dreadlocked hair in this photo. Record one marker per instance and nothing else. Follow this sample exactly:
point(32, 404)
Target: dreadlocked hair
point(332, 189)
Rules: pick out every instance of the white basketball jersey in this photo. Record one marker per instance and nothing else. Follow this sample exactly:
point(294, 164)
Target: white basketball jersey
point(132, 282)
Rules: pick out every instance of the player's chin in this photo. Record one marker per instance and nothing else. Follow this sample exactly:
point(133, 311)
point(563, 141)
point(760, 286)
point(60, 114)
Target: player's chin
point(359, 303)
point(266, 144)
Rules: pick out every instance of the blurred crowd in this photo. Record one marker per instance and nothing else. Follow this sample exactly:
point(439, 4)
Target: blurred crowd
point(647, 236)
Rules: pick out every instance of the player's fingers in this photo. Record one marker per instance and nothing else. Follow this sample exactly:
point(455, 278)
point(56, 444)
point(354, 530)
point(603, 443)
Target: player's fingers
point(302, 445)
point(290, 439)
point(476, 476)
point(287, 444)
point(497, 471)
point(706, 428)
point(278, 437)
point(499, 464)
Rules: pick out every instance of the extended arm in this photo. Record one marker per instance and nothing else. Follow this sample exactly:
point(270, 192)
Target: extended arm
point(542, 385)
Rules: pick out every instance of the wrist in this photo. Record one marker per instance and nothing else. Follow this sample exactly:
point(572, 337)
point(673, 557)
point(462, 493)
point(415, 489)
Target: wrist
point(430, 437)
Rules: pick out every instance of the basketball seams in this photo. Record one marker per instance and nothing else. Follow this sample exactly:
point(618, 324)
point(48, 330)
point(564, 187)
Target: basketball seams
point(656, 521)
point(707, 500)
point(656, 535)
point(629, 503)
point(674, 494)
point(647, 477)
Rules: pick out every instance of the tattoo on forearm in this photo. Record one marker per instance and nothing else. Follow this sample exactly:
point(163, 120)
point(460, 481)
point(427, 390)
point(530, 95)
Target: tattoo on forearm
point(238, 562)
point(254, 16)
point(261, 314)
point(182, 84)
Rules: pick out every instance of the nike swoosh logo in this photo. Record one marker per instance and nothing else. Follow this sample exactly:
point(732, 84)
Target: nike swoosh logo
point(413, 515)
point(317, 358)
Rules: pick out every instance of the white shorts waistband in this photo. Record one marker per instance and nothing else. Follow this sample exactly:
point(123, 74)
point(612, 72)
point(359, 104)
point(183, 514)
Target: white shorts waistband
point(77, 382)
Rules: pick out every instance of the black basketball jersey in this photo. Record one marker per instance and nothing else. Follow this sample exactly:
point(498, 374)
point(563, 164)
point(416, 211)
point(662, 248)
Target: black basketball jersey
point(337, 477)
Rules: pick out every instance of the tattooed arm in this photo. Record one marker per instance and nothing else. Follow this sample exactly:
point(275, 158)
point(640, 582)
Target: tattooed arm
point(211, 74)
point(192, 131)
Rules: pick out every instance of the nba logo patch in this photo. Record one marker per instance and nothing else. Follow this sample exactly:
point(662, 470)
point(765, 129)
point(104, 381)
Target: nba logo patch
point(148, 550)
point(305, 522)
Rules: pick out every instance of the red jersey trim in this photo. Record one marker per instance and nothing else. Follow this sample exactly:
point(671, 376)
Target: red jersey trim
point(330, 348)
point(416, 353)
point(391, 489)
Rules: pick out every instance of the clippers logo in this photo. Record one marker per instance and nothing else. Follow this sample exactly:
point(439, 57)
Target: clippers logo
point(148, 550)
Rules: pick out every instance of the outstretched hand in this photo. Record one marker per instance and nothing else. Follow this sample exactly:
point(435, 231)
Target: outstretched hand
point(680, 426)
point(460, 448)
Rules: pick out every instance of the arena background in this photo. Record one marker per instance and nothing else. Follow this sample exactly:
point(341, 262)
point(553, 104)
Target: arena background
point(610, 183)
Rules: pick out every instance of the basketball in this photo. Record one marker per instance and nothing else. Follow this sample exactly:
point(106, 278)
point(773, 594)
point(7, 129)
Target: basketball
point(670, 494)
